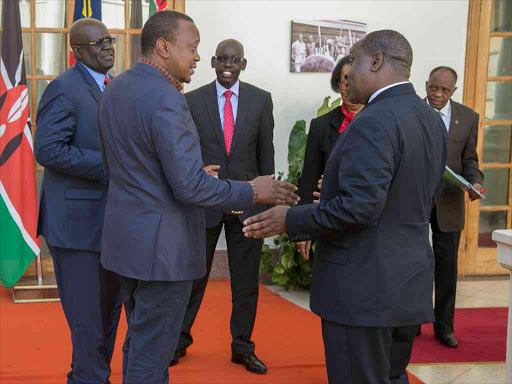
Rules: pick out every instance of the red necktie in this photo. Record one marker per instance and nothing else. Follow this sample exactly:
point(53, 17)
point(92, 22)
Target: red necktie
point(348, 118)
point(229, 122)
point(106, 81)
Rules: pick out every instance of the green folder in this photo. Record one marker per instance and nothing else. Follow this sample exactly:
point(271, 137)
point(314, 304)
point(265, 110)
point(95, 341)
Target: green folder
point(452, 177)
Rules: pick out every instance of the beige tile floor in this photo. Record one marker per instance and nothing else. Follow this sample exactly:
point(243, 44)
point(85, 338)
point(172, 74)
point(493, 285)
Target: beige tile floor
point(471, 293)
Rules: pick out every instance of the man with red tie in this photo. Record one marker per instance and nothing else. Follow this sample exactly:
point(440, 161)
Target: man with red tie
point(235, 125)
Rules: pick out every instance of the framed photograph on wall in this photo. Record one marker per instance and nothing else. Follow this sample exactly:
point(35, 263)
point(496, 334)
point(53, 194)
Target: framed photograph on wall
point(318, 44)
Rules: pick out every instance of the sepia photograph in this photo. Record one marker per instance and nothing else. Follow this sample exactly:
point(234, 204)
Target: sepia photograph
point(318, 44)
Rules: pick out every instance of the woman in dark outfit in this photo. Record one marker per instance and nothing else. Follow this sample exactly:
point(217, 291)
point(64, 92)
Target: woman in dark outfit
point(323, 133)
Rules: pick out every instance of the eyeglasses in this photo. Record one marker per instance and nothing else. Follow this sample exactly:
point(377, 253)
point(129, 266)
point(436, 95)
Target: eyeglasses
point(232, 60)
point(106, 41)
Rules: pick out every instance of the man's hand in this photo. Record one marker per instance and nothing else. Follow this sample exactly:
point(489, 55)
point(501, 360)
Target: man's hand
point(473, 195)
point(304, 248)
point(266, 224)
point(317, 194)
point(274, 192)
point(211, 170)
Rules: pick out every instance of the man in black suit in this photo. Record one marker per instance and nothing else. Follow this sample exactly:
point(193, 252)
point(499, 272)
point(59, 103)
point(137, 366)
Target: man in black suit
point(73, 199)
point(235, 125)
point(373, 268)
point(447, 219)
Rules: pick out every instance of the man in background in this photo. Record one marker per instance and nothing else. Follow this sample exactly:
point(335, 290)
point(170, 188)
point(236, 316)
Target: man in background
point(236, 128)
point(73, 198)
point(447, 218)
point(154, 233)
point(298, 53)
point(373, 266)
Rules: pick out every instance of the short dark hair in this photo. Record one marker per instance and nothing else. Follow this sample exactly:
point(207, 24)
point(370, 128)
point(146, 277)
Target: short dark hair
point(162, 25)
point(444, 68)
point(394, 47)
point(336, 73)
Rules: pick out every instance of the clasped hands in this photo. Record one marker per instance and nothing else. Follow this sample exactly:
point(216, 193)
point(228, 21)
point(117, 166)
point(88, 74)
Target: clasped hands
point(273, 222)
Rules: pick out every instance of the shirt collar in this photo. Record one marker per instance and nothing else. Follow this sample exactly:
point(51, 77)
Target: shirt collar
point(99, 78)
point(220, 89)
point(446, 110)
point(170, 78)
point(384, 89)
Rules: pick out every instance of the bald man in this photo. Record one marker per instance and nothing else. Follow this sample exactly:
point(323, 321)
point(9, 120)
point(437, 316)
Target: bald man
point(73, 198)
point(235, 125)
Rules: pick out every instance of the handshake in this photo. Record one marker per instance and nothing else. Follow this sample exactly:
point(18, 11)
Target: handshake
point(267, 190)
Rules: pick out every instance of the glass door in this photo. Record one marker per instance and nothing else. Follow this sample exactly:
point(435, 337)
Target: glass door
point(493, 101)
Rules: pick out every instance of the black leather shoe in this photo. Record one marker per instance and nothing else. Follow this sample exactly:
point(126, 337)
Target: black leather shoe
point(250, 362)
point(447, 339)
point(180, 352)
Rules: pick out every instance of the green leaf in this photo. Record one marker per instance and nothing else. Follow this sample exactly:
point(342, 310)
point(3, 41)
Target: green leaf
point(335, 104)
point(287, 259)
point(324, 108)
point(279, 279)
point(297, 142)
point(279, 269)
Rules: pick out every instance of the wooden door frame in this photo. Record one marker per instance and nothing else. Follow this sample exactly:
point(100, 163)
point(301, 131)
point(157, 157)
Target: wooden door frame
point(474, 260)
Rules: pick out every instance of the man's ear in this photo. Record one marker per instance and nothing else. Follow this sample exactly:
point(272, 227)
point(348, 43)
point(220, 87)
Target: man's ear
point(163, 49)
point(244, 64)
point(76, 53)
point(377, 60)
point(213, 61)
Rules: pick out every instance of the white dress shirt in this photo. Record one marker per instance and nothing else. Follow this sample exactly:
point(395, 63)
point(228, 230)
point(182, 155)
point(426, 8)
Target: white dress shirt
point(445, 113)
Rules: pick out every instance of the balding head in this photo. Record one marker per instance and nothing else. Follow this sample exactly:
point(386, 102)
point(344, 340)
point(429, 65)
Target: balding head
point(380, 59)
point(98, 56)
point(230, 44)
point(395, 48)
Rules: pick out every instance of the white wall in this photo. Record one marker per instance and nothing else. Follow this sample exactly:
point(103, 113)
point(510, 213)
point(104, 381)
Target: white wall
point(436, 30)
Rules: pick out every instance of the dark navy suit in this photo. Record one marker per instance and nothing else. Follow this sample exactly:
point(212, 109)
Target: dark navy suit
point(373, 266)
point(154, 233)
point(71, 212)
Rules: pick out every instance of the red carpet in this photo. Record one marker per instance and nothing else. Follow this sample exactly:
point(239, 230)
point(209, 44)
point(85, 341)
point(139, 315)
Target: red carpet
point(481, 334)
point(35, 347)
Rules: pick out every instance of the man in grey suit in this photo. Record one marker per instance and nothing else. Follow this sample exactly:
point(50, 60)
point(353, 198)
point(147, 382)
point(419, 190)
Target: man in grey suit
point(447, 218)
point(373, 266)
point(236, 126)
point(154, 232)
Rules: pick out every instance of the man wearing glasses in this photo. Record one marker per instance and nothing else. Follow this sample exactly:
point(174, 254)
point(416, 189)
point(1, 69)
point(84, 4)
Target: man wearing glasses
point(235, 125)
point(73, 198)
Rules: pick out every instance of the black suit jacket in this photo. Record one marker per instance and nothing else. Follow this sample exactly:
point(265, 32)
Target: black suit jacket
point(462, 159)
point(373, 264)
point(252, 148)
point(323, 133)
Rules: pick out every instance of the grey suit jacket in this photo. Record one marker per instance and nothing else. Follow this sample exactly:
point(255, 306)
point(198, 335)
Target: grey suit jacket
point(154, 222)
point(462, 159)
point(252, 149)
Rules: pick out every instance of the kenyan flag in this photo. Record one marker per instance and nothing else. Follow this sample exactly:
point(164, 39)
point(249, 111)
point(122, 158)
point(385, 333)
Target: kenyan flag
point(157, 6)
point(19, 244)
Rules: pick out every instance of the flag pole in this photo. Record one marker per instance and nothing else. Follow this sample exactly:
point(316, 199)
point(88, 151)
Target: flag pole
point(39, 269)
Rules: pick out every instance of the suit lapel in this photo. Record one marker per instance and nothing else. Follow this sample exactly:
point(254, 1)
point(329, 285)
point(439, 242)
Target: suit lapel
point(241, 116)
point(335, 121)
point(454, 122)
point(89, 82)
point(212, 106)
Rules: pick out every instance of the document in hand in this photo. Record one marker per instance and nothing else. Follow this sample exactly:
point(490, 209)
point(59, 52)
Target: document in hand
point(452, 177)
